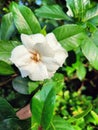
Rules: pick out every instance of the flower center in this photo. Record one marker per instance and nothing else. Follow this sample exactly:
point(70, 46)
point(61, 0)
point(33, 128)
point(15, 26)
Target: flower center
point(35, 56)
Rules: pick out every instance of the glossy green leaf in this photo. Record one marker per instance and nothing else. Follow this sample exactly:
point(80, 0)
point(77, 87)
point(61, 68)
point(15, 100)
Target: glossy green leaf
point(6, 48)
point(7, 26)
point(24, 19)
point(5, 69)
point(59, 123)
point(70, 36)
point(90, 51)
point(6, 110)
point(91, 13)
point(77, 8)
point(42, 106)
point(52, 12)
point(66, 31)
point(21, 85)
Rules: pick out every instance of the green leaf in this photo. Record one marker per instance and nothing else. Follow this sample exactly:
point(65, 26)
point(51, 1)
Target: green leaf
point(70, 36)
point(42, 105)
point(59, 123)
point(33, 85)
point(15, 124)
point(58, 79)
point(80, 70)
point(10, 124)
point(21, 85)
point(6, 110)
point(91, 13)
point(94, 37)
point(5, 69)
point(77, 8)
point(24, 19)
point(7, 26)
point(90, 51)
point(95, 116)
point(52, 12)
point(83, 114)
point(6, 48)
point(66, 31)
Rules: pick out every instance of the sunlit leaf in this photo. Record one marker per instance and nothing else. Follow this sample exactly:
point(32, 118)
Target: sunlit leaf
point(91, 13)
point(52, 12)
point(90, 51)
point(81, 115)
point(7, 26)
point(70, 35)
point(77, 8)
point(24, 19)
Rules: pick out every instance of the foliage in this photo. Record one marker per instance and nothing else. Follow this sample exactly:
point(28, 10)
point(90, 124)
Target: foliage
point(69, 100)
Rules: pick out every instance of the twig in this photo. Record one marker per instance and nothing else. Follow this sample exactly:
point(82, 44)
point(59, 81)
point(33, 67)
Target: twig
point(8, 80)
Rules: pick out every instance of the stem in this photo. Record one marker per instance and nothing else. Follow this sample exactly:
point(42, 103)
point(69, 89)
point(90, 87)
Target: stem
point(8, 80)
point(33, 93)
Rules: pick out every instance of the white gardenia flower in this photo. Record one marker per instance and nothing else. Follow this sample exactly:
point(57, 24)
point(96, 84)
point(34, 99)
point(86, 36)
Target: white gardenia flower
point(39, 57)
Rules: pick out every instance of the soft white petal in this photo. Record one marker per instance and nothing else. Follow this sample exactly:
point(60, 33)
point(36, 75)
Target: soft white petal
point(52, 41)
point(60, 56)
point(40, 73)
point(44, 49)
point(50, 63)
point(20, 56)
point(30, 40)
point(35, 71)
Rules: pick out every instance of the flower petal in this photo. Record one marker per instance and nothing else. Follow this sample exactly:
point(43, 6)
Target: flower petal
point(30, 40)
point(35, 71)
point(50, 63)
point(52, 41)
point(20, 56)
point(44, 49)
point(60, 56)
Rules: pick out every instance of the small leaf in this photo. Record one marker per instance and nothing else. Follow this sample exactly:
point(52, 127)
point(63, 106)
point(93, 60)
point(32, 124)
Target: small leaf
point(58, 79)
point(90, 51)
point(83, 114)
point(59, 123)
point(7, 26)
point(95, 117)
point(52, 12)
point(24, 19)
point(6, 48)
point(5, 69)
point(42, 106)
point(80, 70)
point(21, 85)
